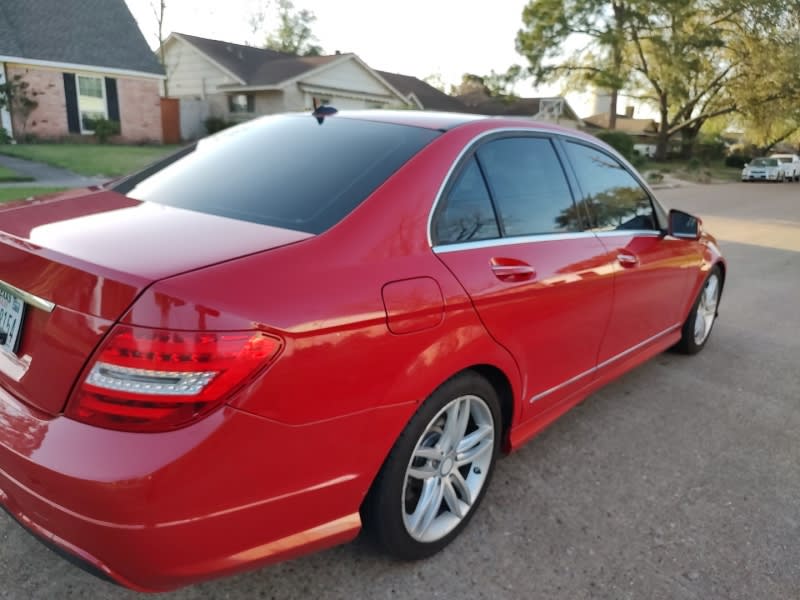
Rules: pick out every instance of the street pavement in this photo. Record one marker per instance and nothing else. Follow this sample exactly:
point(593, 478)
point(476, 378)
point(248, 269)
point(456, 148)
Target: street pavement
point(678, 481)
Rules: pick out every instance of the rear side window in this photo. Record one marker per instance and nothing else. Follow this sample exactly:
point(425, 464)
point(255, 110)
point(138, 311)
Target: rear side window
point(285, 171)
point(528, 186)
point(614, 199)
point(468, 214)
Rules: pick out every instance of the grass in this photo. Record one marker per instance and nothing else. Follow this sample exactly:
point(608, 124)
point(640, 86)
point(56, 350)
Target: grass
point(19, 193)
point(689, 170)
point(7, 175)
point(90, 159)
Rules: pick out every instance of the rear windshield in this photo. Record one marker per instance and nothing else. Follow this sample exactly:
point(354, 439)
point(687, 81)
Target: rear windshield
point(287, 171)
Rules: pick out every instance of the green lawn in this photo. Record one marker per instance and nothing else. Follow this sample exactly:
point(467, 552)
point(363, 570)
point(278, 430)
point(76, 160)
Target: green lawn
point(7, 175)
point(709, 172)
point(90, 159)
point(18, 193)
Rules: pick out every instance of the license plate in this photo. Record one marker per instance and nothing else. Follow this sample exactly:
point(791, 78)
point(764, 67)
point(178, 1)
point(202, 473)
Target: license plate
point(12, 311)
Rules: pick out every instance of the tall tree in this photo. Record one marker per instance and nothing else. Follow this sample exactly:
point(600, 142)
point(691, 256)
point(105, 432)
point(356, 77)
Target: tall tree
point(293, 33)
point(493, 85)
point(159, 8)
point(600, 27)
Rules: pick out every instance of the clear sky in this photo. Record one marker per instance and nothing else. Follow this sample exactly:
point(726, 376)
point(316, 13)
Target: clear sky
point(414, 37)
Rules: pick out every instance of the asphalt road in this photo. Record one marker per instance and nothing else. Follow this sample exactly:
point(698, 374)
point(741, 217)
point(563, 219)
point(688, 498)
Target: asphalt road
point(680, 480)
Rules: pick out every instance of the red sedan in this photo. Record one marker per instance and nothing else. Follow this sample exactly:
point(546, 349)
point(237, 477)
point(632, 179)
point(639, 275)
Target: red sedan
point(302, 325)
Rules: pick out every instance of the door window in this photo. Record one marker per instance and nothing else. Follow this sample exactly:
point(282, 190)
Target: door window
point(528, 186)
point(614, 199)
point(467, 215)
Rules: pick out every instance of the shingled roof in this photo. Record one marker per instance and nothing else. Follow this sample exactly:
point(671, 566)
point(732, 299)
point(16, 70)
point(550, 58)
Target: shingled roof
point(97, 33)
point(430, 97)
point(478, 101)
point(256, 66)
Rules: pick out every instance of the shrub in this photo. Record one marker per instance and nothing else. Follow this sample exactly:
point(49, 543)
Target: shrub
point(104, 129)
point(215, 124)
point(620, 141)
point(737, 160)
point(693, 164)
point(4, 137)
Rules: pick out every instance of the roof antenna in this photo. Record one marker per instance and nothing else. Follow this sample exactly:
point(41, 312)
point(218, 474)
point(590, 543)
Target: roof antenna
point(321, 111)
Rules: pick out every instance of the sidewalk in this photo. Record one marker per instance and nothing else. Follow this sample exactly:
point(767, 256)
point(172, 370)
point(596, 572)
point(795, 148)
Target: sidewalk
point(45, 175)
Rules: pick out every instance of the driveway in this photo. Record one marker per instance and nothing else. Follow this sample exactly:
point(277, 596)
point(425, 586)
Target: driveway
point(45, 175)
point(678, 481)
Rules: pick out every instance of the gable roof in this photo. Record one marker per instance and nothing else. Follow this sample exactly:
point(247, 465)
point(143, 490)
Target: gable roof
point(479, 101)
point(625, 124)
point(256, 66)
point(429, 97)
point(95, 33)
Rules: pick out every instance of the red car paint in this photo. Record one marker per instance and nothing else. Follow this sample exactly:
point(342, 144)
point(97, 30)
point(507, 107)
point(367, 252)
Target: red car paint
point(370, 321)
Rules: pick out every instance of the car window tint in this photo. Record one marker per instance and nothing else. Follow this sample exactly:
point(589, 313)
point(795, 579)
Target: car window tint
point(615, 200)
point(467, 214)
point(529, 187)
point(287, 171)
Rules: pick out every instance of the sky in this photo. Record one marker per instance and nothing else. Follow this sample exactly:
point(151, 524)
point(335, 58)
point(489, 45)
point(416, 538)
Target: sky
point(414, 37)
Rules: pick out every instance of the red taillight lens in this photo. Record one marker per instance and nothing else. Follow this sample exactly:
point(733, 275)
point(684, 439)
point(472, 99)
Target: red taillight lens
point(156, 380)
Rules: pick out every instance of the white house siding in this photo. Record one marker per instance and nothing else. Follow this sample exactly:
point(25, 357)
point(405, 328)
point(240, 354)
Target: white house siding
point(348, 75)
point(269, 102)
point(190, 73)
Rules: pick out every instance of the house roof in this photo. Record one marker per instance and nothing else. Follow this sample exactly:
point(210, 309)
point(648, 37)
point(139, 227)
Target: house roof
point(430, 97)
point(625, 124)
point(479, 101)
point(256, 66)
point(96, 33)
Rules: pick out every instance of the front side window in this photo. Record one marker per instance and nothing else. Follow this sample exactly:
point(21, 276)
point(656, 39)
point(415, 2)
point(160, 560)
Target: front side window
point(242, 103)
point(529, 187)
point(467, 214)
point(613, 198)
point(91, 101)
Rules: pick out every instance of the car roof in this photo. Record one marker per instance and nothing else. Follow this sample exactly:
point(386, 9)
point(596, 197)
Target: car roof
point(445, 121)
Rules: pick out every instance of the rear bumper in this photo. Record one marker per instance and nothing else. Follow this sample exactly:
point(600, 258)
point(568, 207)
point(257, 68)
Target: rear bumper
point(157, 511)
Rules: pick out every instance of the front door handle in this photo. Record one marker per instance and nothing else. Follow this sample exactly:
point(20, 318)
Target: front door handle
point(512, 269)
point(627, 259)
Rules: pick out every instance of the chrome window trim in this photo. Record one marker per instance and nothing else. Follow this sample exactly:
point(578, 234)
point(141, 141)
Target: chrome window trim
point(29, 298)
point(511, 241)
point(604, 364)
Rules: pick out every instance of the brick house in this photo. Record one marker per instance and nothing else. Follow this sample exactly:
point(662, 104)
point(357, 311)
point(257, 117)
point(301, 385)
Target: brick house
point(83, 60)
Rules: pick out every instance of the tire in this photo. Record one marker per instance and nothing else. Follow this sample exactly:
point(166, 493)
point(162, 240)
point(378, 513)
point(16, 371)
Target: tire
point(698, 325)
point(422, 499)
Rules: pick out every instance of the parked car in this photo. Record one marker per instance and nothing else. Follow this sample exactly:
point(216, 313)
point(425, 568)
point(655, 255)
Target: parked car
point(763, 169)
point(299, 325)
point(790, 163)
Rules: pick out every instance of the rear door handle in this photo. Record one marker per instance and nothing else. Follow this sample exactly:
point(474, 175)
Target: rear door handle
point(512, 269)
point(627, 259)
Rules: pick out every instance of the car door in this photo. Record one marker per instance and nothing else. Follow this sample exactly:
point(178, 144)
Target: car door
point(508, 229)
point(652, 272)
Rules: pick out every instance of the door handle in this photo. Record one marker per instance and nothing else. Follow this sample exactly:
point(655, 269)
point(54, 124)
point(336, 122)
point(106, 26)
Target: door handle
point(512, 269)
point(627, 259)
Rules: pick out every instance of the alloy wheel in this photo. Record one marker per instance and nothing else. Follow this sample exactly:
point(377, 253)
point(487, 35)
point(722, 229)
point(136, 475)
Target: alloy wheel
point(706, 309)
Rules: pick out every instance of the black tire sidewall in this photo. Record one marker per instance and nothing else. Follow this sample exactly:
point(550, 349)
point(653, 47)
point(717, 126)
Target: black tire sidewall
point(687, 344)
point(384, 506)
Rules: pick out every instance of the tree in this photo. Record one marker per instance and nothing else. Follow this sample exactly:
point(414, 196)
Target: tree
point(159, 8)
point(601, 27)
point(293, 34)
point(19, 99)
point(493, 85)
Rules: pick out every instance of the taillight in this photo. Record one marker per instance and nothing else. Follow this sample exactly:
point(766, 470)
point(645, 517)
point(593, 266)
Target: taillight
point(156, 380)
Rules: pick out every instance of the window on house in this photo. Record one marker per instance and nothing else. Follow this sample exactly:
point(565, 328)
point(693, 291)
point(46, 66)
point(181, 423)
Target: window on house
point(242, 103)
point(91, 101)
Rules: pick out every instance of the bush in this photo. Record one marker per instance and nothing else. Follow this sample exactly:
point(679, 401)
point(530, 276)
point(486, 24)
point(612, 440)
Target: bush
point(104, 129)
point(693, 164)
point(215, 124)
point(737, 160)
point(620, 141)
point(4, 137)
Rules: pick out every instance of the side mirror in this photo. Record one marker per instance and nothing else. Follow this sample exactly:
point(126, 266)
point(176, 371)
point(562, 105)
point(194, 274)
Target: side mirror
point(683, 225)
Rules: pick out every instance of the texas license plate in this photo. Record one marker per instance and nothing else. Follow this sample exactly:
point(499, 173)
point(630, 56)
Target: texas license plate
point(12, 311)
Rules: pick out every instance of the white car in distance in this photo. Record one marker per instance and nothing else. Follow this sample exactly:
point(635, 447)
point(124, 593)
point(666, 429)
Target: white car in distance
point(763, 169)
point(790, 163)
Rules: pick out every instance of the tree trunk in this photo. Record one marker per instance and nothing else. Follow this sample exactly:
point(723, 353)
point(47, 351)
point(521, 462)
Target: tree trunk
point(612, 110)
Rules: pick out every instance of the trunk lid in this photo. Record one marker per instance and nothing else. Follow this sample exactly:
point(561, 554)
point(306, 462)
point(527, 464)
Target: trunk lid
point(78, 260)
